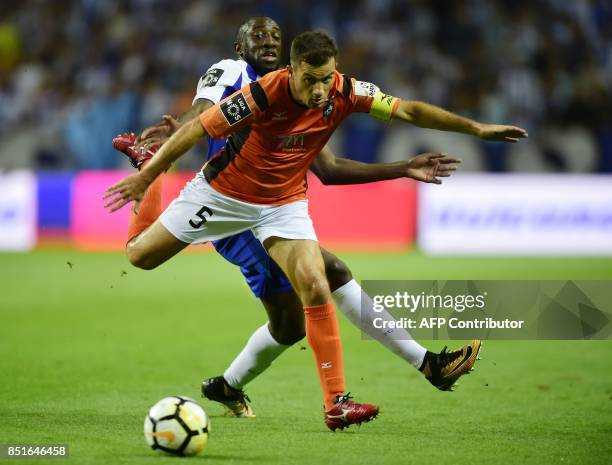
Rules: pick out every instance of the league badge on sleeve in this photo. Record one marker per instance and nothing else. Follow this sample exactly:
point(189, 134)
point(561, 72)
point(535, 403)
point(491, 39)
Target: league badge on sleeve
point(365, 89)
point(211, 77)
point(235, 109)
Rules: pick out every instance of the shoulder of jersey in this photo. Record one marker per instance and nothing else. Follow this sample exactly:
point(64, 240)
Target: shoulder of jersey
point(273, 81)
point(229, 64)
point(222, 73)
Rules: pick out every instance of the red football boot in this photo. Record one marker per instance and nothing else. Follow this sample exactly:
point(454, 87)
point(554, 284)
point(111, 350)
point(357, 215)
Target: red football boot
point(345, 413)
point(125, 144)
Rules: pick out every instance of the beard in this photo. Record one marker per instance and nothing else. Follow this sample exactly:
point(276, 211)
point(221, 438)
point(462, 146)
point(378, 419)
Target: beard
point(260, 68)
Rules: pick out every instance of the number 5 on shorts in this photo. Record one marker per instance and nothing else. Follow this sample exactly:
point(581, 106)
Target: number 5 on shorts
point(200, 214)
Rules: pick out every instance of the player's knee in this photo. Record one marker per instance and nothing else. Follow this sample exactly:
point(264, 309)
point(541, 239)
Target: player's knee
point(287, 326)
point(313, 287)
point(296, 336)
point(338, 274)
point(288, 334)
point(140, 258)
point(286, 317)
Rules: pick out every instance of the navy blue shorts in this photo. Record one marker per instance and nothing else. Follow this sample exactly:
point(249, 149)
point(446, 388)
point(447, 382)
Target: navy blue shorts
point(262, 274)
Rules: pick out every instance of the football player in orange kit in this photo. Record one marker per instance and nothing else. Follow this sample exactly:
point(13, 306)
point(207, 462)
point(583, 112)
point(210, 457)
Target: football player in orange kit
point(278, 124)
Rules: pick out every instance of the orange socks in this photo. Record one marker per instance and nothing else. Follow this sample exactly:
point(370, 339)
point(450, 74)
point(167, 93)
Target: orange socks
point(150, 209)
point(323, 336)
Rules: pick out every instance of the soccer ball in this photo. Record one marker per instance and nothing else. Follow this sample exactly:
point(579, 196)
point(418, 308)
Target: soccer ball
point(177, 425)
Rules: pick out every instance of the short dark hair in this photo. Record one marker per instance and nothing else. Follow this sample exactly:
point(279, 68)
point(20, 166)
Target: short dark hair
point(313, 47)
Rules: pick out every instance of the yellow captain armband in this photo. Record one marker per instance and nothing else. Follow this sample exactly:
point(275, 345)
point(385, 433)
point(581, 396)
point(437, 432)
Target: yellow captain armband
point(383, 106)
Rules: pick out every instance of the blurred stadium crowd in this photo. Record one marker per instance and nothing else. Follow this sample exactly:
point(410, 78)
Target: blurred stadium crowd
point(74, 73)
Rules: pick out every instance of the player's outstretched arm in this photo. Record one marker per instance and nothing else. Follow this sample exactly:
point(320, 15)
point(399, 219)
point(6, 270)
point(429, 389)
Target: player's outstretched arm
point(133, 187)
point(159, 133)
point(426, 167)
point(425, 115)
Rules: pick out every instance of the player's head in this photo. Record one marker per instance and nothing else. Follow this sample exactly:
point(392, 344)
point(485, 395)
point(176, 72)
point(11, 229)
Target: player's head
point(313, 62)
point(258, 42)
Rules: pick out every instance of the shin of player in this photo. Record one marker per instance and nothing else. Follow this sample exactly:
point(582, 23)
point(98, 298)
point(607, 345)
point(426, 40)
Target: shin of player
point(308, 279)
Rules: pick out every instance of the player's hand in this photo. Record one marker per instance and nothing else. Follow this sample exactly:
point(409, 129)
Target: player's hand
point(501, 132)
point(128, 189)
point(157, 134)
point(428, 167)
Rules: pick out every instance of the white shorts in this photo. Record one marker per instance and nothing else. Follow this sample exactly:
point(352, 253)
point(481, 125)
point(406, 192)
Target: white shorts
point(201, 214)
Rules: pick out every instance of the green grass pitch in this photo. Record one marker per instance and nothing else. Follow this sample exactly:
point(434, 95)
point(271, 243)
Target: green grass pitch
point(88, 344)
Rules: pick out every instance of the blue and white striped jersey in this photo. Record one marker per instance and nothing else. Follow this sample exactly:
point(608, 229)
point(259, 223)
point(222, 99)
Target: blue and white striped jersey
point(221, 80)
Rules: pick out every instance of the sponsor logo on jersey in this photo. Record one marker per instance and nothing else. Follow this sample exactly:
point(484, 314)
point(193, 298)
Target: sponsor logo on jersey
point(235, 109)
point(365, 89)
point(291, 143)
point(211, 77)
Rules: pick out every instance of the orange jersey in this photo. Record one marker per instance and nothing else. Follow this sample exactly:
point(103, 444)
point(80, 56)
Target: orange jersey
point(273, 139)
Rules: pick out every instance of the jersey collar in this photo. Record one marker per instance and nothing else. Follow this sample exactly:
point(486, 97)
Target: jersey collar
point(251, 73)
